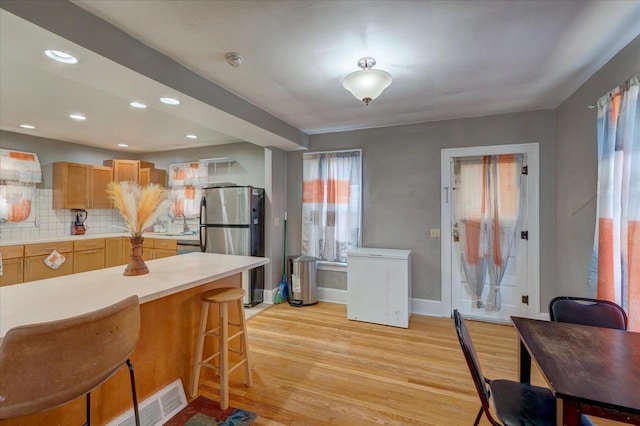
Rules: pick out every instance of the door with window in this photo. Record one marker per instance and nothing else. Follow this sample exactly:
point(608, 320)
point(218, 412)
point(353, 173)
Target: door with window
point(490, 228)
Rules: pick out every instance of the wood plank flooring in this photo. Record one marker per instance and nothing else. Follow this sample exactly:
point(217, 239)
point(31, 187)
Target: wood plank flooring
point(312, 366)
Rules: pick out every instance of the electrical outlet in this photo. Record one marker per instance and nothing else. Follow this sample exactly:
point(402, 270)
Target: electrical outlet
point(434, 233)
point(37, 222)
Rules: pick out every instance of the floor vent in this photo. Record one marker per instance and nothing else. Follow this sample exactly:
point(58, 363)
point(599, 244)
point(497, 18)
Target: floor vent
point(156, 409)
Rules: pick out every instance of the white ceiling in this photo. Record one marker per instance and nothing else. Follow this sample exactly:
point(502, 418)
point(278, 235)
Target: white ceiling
point(448, 59)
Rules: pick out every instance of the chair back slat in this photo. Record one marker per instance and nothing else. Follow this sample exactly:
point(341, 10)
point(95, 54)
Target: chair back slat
point(46, 365)
point(586, 311)
point(472, 362)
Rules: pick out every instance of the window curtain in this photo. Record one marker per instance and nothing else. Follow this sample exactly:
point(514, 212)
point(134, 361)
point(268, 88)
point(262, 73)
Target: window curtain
point(615, 263)
point(331, 204)
point(486, 207)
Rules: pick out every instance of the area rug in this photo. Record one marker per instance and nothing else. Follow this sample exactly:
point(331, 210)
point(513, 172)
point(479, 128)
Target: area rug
point(205, 412)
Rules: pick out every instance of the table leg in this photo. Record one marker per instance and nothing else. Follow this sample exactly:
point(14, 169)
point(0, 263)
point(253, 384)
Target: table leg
point(525, 363)
point(567, 414)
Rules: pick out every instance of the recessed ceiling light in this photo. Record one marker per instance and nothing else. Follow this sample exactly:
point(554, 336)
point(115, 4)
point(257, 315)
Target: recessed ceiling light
point(123, 145)
point(60, 56)
point(78, 117)
point(192, 136)
point(170, 101)
point(136, 104)
point(27, 126)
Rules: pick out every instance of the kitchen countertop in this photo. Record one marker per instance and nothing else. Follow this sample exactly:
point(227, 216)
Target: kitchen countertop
point(63, 297)
point(160, 235)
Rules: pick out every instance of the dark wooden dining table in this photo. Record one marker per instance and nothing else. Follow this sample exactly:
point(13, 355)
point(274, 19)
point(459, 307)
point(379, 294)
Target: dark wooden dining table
point(590, 370)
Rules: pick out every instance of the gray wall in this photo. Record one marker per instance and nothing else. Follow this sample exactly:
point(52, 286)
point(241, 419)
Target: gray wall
point(248, 169)
point(577, 171)
point(50, 150)
point(401, 190)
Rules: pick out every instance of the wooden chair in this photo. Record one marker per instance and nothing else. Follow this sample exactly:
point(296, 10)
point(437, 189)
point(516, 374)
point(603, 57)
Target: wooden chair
point(514, 403)
point(46, 365)
point(585, 311)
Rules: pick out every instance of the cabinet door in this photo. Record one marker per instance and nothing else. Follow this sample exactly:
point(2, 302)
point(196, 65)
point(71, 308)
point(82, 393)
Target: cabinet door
point(36, 269)
point(145, 177)
point(124, 170)
point(113, 255)
point(11, 271)
point(160, 253)
point(88, 260)
point(147, 250)
point(71, 185)
point(101, 176)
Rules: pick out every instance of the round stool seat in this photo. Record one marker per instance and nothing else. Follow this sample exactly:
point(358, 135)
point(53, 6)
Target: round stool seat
point(222, 295)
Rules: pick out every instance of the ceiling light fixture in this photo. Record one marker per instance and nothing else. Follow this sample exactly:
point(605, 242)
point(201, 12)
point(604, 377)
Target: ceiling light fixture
point(367, 84)
point(192, 136)
point(60, 56)
point(78, 117)
point(27, 126)
point(137, 104)
point(170, 101)
point(123, 145)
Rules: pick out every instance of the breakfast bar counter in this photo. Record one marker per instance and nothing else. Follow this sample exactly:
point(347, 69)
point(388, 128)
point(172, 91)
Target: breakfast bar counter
point(169, 314)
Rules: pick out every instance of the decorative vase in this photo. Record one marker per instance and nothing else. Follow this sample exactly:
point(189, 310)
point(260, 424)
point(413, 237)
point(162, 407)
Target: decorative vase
point(136, 264)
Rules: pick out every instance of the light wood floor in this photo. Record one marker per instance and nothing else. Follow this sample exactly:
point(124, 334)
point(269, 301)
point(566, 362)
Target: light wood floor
point(312, 366)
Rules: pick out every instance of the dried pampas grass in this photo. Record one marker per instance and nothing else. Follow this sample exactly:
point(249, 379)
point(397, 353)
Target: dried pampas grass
point(140, 207)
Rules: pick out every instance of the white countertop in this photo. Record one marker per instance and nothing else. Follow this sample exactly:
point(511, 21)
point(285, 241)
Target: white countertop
point(63, 297)
point(161, 235)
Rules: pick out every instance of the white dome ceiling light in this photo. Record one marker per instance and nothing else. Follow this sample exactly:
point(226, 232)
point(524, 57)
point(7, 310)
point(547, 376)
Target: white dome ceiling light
point(367, 84)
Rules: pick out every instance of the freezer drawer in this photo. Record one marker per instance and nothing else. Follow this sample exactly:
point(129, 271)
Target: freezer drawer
point(379, 286)
point(226, 240)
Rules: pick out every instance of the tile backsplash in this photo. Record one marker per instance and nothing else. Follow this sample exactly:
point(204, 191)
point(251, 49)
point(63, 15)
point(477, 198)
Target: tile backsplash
point(45, 222)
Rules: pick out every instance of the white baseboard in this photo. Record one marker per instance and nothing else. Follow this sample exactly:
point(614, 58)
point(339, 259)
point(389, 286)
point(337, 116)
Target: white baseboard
point(268, 296)
point(332, 295)
point(432, 308)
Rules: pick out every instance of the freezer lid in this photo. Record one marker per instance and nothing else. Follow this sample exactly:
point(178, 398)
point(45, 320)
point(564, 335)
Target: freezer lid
point(379, 253)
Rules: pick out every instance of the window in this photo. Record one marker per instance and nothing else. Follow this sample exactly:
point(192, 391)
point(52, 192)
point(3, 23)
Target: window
point(331, 204)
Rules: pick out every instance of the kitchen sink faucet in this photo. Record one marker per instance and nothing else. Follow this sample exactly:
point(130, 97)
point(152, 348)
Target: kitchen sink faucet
point(185, 227)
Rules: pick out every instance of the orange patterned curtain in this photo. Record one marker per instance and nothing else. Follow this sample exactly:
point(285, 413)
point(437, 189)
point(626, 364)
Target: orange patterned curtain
point(615, 264)
point(331, 204)
point(487, 198)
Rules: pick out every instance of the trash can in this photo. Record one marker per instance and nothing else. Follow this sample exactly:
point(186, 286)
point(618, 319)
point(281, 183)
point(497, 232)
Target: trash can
point(304, 290)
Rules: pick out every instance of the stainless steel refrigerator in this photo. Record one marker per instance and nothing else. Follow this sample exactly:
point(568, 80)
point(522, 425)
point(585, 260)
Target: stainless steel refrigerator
point(232, 222)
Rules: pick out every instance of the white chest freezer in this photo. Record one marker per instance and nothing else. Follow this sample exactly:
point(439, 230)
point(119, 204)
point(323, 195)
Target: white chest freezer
point(379, 286)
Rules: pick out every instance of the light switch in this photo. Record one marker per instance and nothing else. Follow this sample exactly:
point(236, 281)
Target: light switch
point(276, 221)
point(434, 233)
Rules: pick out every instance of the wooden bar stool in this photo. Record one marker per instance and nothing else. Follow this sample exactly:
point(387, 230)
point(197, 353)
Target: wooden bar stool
point(223, 297)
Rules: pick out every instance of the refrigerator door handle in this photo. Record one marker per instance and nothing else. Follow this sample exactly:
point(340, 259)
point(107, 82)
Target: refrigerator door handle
point(203, 212)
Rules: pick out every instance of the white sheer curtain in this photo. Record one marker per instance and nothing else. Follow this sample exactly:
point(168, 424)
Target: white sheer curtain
point(331, 204)
point(486, 204)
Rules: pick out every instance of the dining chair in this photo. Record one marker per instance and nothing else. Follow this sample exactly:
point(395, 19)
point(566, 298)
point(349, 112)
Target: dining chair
point(514, 403)
point(585, 311)
point(45, 365)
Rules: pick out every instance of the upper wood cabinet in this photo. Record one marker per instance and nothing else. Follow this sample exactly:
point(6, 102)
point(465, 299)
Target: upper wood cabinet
point(101, 176)
point(150, 175)
point(80, 186)
point(124, 170)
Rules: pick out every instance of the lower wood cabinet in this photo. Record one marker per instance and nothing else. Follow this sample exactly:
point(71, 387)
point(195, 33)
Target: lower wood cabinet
point(88, 255)
point(12, 265)
point(35, 254)
point(113, 252)
point(36, 269)
point(22, 263)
